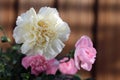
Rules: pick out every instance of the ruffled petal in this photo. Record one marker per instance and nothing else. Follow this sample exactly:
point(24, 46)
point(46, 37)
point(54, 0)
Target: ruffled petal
point(63, 31)
point(53, 66)
point(46, 11)
point(77, 60)
point(84, 41)
point(26, 47)
point(86, 66)
point(25, 16)
point(54, 49)
point(18, 34)
point(26, 61)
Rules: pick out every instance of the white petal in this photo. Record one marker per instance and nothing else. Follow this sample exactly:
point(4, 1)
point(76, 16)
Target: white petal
point(46, 11)
point(33, 51)
point(26, 47)
point(50, 16)
point(49, 53)
point(30, 36)
point(26, 16)
point(58, 45)
point(18, 34)
point(20, 31)
point(63, 31)
point(54, 49)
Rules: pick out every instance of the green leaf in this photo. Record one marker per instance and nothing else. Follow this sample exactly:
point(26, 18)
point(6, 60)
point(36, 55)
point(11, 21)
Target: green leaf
point(4, 39)
point(16, 47)
point(2, 68)
point(51, 77)
point(47, 77)
point(25, 76)
point(75, 77)
point(38, 78)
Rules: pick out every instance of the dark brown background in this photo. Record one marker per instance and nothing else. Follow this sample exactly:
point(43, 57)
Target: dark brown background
point(99, 19)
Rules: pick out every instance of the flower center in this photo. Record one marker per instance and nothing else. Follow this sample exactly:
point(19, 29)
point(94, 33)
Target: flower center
point(42, 24)
point(44, 34)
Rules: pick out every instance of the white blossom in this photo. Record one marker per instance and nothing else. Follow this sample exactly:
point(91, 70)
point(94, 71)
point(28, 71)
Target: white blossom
point(41, 33)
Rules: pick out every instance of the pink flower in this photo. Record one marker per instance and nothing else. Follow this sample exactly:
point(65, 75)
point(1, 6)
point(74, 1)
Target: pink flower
point(39, 64)
point(67, 67)
point(85, 53)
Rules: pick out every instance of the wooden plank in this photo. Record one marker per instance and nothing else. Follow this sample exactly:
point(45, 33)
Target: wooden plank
point(108, 66)
point(80, 22)
point(25, 5)
point(7, 19)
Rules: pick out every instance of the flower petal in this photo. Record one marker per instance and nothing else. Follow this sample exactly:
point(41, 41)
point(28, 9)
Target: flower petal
point(64, 31)
point(18, 34)
point(77, 60)
point(54, 49)
point(68, 67)
point(26, 47)
point(53, 66)
point(25, 62)
point(84, 41)
point(86, 66)
point(46, 11)
point(25, 16)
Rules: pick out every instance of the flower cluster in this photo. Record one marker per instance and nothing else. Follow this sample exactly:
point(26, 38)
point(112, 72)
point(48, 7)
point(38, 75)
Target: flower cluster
point(41, 37)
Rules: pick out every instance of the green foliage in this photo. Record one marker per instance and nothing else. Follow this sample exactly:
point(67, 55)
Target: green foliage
point(10, 64)
point(4, 39)
point(11, 68)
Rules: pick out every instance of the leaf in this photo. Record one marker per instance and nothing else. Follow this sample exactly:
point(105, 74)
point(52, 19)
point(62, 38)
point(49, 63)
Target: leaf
point(38, 78)
point(25, 76)
point(2, 67)
point(47, 77)
point(75, 77)
point(71, 53)
point(16, 47)
point(4, 39)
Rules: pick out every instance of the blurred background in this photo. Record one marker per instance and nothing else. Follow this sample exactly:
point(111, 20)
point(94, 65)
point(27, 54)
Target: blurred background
point(99, 19)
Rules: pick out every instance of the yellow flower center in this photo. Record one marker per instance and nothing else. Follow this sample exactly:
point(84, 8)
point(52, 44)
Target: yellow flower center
point(44, 34)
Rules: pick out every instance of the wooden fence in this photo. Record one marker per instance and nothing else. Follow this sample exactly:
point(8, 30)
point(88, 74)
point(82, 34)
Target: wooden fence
point(99, 19)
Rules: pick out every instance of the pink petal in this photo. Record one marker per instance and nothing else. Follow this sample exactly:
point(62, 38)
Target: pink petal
point(25, 62)
point(77, 60)
point(68, 67)
point(34, 72)
point(86, 66)
point(53, 65)
point(64, 59)
point(84, 41)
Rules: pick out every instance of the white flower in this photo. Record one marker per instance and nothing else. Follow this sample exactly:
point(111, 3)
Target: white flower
point(42, 33)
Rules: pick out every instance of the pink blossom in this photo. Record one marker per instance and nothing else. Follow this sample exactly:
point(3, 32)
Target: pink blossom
point(67, 67)
point(37, 63)
point(85, 53)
